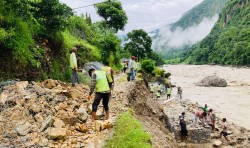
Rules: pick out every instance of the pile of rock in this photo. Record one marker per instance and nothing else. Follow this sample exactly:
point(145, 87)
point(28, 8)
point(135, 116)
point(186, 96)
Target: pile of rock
point(212, 81)
point(46, 114)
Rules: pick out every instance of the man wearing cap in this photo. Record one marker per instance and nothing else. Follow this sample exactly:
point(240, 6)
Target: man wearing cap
point(132, 67)
point(73, 66)
point(99, 83)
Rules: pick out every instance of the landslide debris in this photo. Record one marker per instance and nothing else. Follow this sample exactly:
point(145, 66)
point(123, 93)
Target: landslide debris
point(212, 81)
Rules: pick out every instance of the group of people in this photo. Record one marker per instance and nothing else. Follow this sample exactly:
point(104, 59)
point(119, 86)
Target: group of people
point(102, 82)
point(206, 117)
point(131, 67)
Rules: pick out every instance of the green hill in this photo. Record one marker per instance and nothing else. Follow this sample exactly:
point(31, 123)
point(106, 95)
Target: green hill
point(229, 41)
point(206, 9)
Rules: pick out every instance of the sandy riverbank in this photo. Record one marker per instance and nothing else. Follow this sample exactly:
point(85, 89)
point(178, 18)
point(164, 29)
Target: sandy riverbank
point(232, 102)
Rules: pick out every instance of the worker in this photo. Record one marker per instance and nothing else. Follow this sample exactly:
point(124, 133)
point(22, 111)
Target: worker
point(135, 66)
point(152, 89)
point(159, 88)
point(132, 68)
point(125, 66)
point(73, 66)
point(99, 83)
point(110, 74)
point(169, 91)
point(158, 95)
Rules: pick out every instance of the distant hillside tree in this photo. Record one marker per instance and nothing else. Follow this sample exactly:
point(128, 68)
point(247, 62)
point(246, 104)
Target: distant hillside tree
point(113, 14)
point(139, 44)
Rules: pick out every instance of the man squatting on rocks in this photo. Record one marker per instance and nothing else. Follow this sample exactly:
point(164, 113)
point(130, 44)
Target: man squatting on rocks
point(99, 83)
point(73, 66)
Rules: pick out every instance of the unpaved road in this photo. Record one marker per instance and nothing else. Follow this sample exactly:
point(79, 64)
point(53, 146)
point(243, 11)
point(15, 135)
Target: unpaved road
point(232, 102)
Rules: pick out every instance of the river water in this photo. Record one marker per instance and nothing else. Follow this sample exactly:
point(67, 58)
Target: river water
point(231, 102)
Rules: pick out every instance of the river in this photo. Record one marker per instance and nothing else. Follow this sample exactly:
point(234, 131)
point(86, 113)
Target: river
point(231, 102)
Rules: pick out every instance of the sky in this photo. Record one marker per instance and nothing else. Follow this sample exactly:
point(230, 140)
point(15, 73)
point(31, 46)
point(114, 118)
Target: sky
point(142, 14)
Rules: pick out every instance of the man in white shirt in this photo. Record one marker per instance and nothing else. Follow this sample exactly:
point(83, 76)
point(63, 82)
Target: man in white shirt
point(132, 67)
point(224, 129)
point(73, 66)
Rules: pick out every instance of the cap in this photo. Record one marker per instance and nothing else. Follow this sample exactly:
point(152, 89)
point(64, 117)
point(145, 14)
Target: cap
point(133, 57)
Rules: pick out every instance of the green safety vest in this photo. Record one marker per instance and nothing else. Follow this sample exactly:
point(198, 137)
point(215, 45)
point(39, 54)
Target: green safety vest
point(158, 94)
point(158, 87)
point(101, 82)
point(108, 73)
point(135, 65)
point(169, 91)
point(151, 88)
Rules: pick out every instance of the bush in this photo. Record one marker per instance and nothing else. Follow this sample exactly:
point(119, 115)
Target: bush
point(158, 72)
point(148, 66)
point(129, 133)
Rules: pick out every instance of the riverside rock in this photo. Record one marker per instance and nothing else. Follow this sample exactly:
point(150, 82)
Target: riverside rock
point(23, 129)
point(82, 114)
point(212, 81)
point(58, 123)
point(217, 143)
point(57, 133)
point(48, 121)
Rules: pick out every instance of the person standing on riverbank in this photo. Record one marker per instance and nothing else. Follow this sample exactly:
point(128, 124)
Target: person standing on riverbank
point(179, 92)
point(73, 66)
point(152, 90)
point(159, 88)
point(169, 91)
point(213, 121)
point(183, 126)
point(205, 110)
point(224, 129)
point(209, 119)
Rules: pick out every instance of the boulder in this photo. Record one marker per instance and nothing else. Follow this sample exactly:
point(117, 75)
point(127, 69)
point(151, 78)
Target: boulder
point(39, 118)
point(3, 96)
point(82, 114)
point(101, 125)
point(50, 84)
point(217, 143)
point(23, 129)
point(35, 108)
point(60, 98)
point(22, 85)
point(48, 122)
point(43, 142)
point(57, 133)
point(82, 128)
point(212, 81)
point(99, 114)
point(58, 123)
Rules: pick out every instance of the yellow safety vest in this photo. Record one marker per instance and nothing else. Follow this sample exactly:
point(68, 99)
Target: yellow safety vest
point(158, 94)
point(169, 91)
point(135, 65)
point(101, 82)
point(158, 87)
point(151, 88)
point(108, 73)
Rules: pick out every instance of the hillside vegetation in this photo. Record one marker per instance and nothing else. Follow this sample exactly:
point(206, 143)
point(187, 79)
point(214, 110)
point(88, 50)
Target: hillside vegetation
point(36, 37)
point(229, 41)
point(207, 9)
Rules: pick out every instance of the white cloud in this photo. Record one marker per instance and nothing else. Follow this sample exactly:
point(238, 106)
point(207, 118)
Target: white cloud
point(189, 36)
point(142, 14)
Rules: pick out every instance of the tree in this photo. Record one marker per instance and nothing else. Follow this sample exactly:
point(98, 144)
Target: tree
point(139, 44)
point(113, 14)
point(52, 15)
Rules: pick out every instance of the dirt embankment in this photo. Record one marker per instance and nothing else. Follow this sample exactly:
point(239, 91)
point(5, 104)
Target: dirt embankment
point(150, 113)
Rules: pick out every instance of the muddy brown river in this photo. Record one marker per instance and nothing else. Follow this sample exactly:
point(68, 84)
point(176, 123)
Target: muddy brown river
point(231, 102)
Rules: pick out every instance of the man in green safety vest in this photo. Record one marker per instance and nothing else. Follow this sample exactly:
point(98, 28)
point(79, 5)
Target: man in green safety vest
point(158, 95)
point(159, 88)
point(151, 89)
point(110, 74)
point(99, 83)
point(169, 91)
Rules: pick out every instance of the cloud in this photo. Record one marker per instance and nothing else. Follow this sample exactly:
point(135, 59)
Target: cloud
point(189, 36)
point(142, 14)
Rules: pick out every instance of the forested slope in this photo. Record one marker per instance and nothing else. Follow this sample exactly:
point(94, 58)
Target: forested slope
point(36, 37)
point(229, 41)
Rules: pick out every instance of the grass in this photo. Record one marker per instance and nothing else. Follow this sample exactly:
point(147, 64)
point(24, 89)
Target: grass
point(129, 133)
